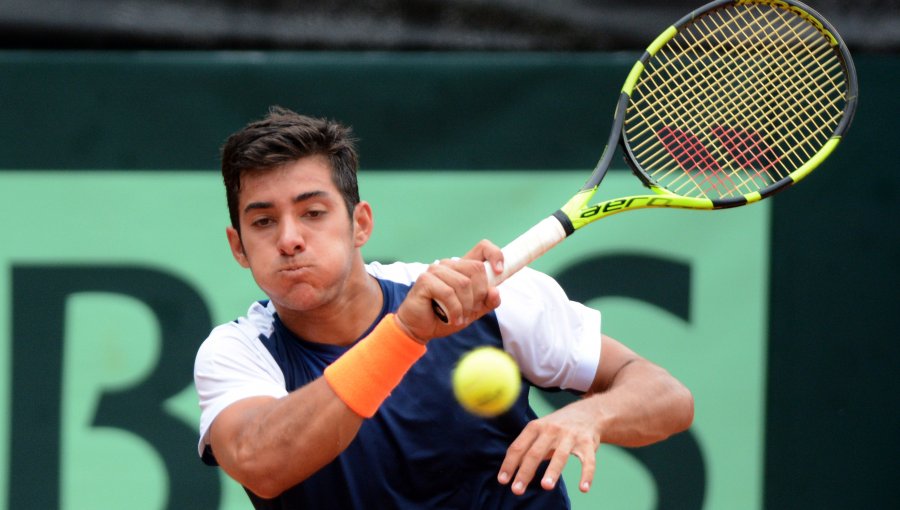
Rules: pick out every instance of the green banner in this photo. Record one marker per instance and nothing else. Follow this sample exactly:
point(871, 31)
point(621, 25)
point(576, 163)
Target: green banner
point(110, 281)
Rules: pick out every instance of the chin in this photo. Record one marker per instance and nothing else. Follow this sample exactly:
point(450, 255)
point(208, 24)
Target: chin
point(299, 300)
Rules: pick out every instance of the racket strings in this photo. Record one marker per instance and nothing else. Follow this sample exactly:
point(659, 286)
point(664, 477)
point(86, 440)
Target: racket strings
point(780, 98)
point(755, 140)
point(735, 102)
point(705, 82)
point(736, 114)
point(813, 95)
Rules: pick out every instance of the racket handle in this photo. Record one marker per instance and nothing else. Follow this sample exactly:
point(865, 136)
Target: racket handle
point(522, 251)
point(527, 248)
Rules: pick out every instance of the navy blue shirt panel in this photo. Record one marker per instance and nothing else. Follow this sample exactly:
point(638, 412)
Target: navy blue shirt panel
point(421, 449)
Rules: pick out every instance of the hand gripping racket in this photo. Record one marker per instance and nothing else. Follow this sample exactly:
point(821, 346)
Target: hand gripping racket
point(735, 102)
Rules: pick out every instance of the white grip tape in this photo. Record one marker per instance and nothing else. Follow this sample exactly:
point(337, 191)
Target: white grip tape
point(527, 248)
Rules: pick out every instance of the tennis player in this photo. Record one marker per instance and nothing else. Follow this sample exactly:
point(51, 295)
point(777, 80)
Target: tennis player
point(334, 391)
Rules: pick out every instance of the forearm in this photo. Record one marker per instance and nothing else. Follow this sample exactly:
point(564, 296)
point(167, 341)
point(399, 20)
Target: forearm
point(631, 402)
point(275, 444)
point(285, 441)
point(643, 404)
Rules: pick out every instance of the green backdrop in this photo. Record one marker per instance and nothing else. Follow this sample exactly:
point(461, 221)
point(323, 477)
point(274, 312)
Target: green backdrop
point(115, 266)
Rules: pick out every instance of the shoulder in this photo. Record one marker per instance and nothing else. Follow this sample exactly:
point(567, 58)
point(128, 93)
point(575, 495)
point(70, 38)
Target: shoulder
point(240, 335)
point(233, 354)
point(556, 341)
point(401, 272)
point(529, 296)
point(233, 364)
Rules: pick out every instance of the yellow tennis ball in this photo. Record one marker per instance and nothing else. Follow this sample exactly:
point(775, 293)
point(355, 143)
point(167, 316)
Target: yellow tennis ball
point(486, 381)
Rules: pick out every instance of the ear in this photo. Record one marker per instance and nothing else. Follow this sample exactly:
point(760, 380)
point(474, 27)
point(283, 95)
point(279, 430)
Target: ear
point(237, 247)
point(363, 222)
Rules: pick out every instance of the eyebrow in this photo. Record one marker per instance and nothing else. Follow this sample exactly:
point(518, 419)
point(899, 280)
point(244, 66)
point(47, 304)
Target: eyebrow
point(299, 198)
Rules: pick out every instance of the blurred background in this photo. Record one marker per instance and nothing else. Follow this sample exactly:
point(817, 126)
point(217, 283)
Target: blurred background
point(449, 25)
point(475, 119)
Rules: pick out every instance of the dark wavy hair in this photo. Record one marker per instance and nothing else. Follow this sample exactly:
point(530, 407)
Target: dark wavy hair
point(282, 137)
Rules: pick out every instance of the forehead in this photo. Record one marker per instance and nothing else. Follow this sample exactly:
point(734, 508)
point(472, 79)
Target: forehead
point(307, 174)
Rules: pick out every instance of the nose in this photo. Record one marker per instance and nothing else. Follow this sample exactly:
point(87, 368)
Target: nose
point(290, 238)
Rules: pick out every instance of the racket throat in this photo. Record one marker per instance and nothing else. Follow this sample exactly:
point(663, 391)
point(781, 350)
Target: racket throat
point(564, 220)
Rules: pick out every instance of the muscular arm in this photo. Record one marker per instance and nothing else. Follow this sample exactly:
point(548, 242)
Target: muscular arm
point(269, 445)
point(638, 403)
point(632, 402)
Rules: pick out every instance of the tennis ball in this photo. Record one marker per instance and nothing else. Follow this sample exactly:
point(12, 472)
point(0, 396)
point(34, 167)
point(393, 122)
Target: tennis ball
point(486, 381)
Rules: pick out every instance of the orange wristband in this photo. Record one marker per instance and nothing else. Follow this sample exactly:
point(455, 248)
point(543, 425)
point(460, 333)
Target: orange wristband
point(364, 376)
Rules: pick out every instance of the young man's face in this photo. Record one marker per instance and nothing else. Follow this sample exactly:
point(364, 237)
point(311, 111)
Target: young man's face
point(296, 236)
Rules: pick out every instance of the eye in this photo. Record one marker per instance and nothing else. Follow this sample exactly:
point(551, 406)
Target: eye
point(314, 213)
point(262, 221)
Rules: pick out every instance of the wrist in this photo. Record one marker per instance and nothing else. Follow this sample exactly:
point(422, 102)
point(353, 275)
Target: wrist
point(601, 416)
point(364, 376)
point(401, 325)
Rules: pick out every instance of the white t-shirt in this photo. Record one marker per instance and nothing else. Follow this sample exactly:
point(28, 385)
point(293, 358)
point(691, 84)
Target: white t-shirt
point(555, 341)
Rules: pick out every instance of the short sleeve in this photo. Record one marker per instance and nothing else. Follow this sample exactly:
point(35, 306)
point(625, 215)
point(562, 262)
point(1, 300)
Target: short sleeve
point(231, 365)
point(555, 341)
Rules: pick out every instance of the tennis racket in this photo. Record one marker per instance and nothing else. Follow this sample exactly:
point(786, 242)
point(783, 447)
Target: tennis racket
point(735, 102)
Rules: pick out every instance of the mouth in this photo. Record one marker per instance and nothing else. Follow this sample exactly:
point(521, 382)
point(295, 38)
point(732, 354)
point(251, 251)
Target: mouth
point(293, 269)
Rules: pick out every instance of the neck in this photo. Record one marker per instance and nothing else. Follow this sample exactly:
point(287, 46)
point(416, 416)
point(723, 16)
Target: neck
point(343, 320)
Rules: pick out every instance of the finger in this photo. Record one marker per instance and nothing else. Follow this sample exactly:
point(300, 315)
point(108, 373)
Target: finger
point(474, 283)
point(514, 454)
point(488, 252)
point(434, 289)
point(557, 463)
point(448, 300)
point(491, 300)
point(588, 457)
point(456, 277)
point(530, 462)
point(463, 282)
point(493, 255)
